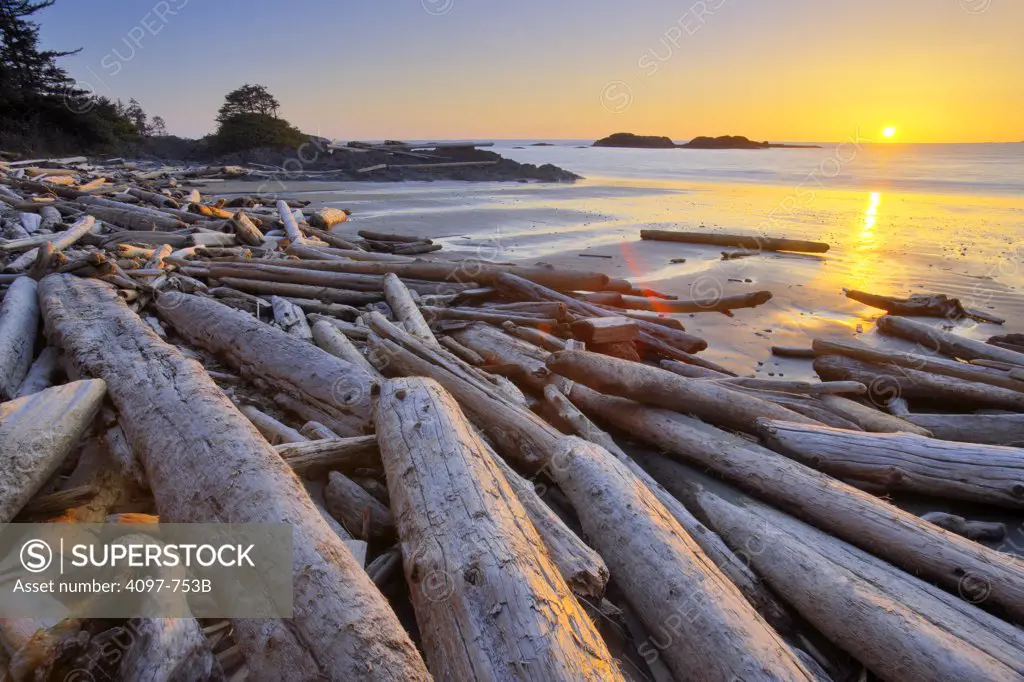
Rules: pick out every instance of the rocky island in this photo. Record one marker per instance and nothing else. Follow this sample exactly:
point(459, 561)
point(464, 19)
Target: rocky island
point(632, 141)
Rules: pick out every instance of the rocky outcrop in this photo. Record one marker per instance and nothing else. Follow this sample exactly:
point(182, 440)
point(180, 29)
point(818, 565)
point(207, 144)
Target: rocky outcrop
point(636, 141)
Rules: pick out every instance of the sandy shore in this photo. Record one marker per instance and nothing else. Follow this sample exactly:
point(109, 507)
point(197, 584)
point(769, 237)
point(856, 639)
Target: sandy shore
point(886, 243)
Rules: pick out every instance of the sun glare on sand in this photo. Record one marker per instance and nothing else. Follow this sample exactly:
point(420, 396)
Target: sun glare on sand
point(889, 132)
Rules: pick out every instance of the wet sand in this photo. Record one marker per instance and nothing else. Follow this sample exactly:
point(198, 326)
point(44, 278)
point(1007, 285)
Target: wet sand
point(882, 242)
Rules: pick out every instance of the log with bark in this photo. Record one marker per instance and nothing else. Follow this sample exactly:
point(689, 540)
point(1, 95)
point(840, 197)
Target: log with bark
point(989, 474)
point(191, 438)
point(755, 243)
point(36, 433)
point(19, 324)
point(274, 359)
point(489, 601)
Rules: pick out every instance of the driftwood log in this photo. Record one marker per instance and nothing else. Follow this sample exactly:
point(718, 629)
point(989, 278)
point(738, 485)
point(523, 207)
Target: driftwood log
point(921, 305)
point(654, 386)
point(755, 243)
point(989, 429)
point(489, 602)
point(887, 383)
point(36, 434)
point(976, 572)
point(19, 323)
point(989, 474)
point(275, 360)
point(934, 340)
point(191, 438)
point(903, 628)
point(715, 634)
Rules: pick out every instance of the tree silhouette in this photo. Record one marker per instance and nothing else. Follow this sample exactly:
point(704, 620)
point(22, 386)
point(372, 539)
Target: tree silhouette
point(248, 99)
point(25, 70)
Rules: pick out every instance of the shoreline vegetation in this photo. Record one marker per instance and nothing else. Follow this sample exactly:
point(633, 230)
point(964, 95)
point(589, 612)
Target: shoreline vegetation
point(632, 141)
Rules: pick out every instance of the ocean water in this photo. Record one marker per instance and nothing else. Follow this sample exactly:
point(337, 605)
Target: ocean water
point(851, 164)
point(900, 219)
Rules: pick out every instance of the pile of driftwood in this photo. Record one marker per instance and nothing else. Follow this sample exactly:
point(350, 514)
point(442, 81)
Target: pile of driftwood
point(432, 429)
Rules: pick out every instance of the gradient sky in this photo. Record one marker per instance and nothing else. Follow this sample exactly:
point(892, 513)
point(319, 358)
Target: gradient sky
point(816, 70)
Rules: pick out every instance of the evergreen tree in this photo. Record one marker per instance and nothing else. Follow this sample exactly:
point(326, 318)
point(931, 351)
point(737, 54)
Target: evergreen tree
point(248, 99)
point(157, 127)
point(25, 70)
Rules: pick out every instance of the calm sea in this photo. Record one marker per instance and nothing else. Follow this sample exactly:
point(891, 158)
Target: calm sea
point(982, 169)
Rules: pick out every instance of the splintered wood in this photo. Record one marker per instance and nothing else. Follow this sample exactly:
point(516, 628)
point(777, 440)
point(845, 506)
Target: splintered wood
point(487, 465)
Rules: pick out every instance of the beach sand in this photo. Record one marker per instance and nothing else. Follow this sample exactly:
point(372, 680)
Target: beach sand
point(882, 242)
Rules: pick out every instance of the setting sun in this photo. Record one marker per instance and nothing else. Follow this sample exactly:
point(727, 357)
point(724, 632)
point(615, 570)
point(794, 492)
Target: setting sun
point(888, 132)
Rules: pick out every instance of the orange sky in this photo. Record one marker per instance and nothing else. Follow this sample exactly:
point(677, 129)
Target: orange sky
point(785, 70)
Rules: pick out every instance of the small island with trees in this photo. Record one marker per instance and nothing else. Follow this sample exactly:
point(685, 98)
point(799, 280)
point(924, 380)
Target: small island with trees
point(631, 141)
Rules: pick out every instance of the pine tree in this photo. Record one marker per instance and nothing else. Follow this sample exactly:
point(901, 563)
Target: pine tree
point(248, 99)
point(27, 72)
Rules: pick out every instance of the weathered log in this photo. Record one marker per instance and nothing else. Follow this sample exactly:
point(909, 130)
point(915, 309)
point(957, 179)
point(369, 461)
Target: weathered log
point(285, 290)
point(583, 569)
point(654, 334)
point(654, 386)
point(869, 418)
point(362, 516)
point(468, 544)
point(291, 318)
point(887, 382)
point(792, 352)
point(291, 226)
point(345, 312)
point(460, 351)
point(988, 429)
point(154, 198)
point(921, 305)
point(312, 457)
point(387, 237)
point(736, 570)
point(753, 242)
point(496, 318)
point(720, 633)
point(293, 275)
point(936, 340)
point(341, 622)
point(605, 330)
point(246, 230)
point(134, 220)
point(916, 361)
point(478, 271)
point(647, 316)
point(981, 531)
point(59, 240)
point(901, 627)
point(36, 434)
point(803, 387)
point(317, 431)
point(691, 371)
point(492, 344)
point(326, 218)
point(709, 304)
point(990, 474)
point(40, 374)
point(276, 432)
point(978, 573)
point(537, 337)
point(418, 247)
point(406, 310)
point(165, 650)
point(19, 323)
point(270, 358)
point(329, 338)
